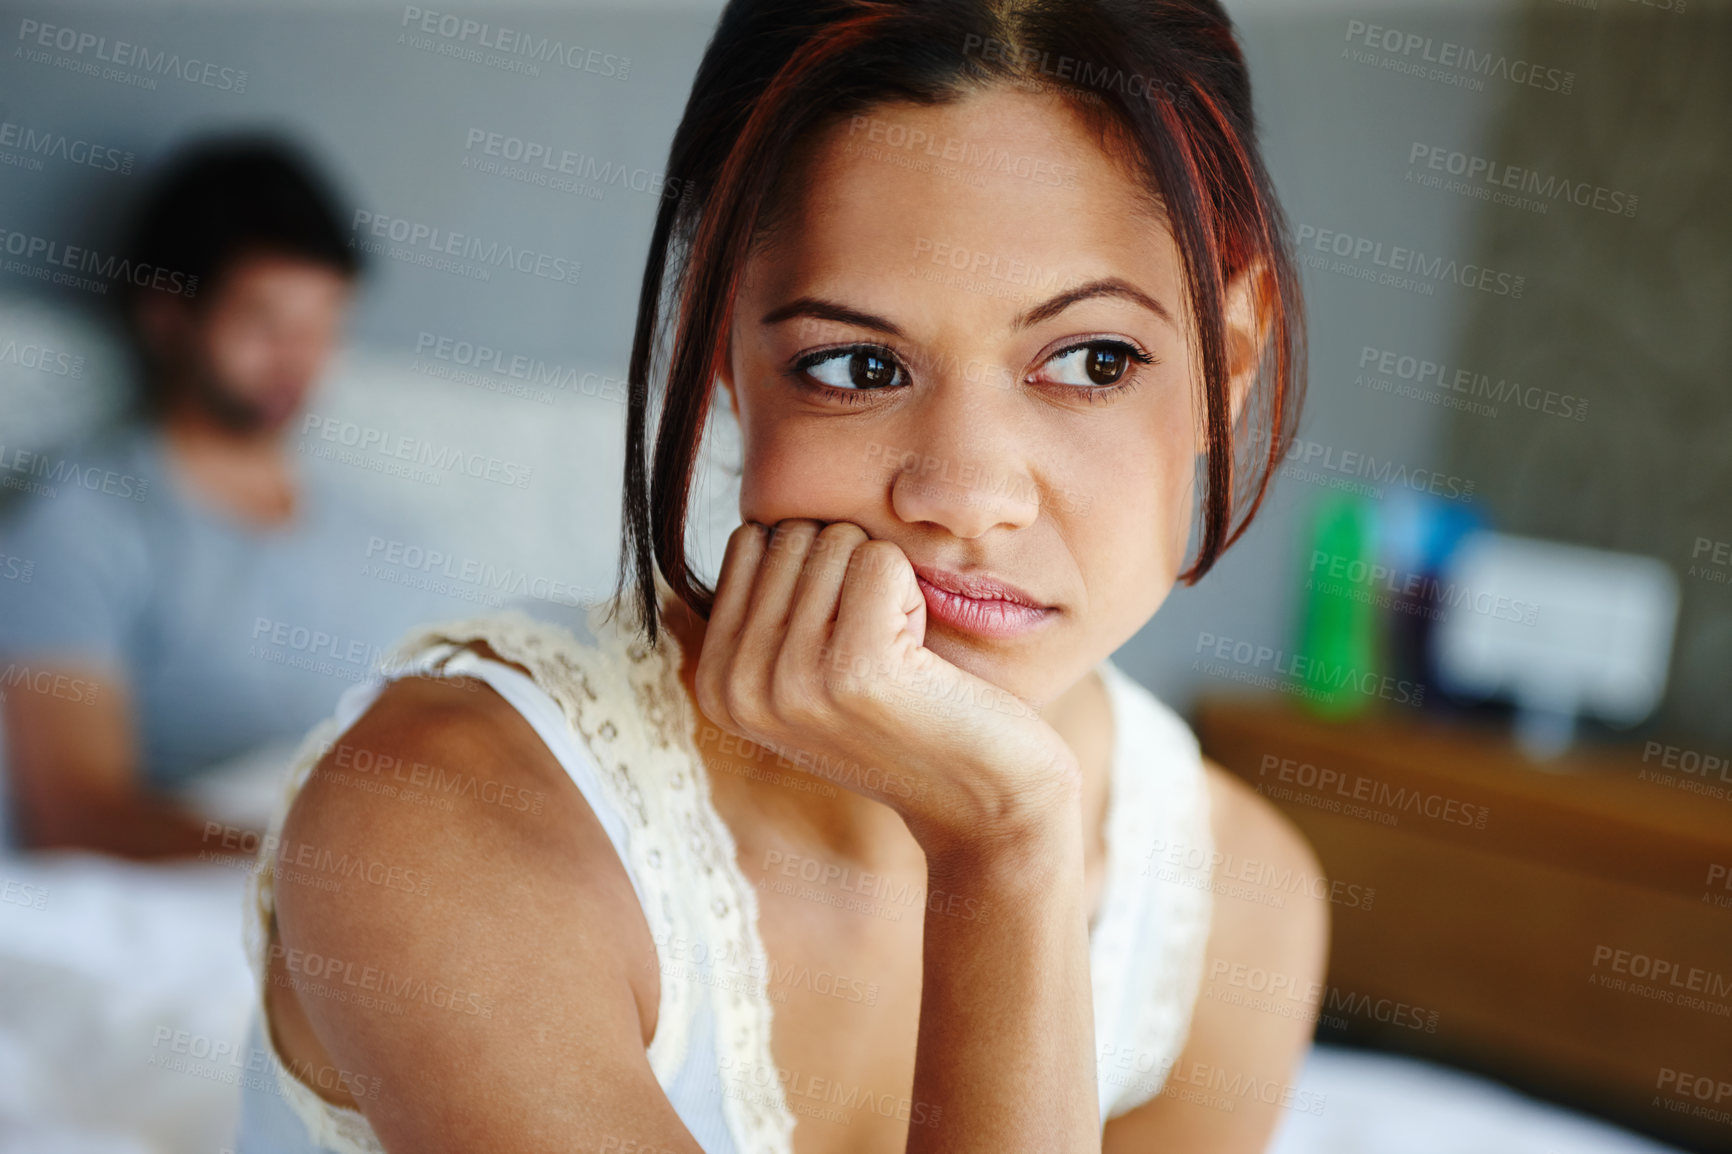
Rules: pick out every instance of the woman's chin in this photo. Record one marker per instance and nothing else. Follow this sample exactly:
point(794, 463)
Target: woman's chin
point(987, 660)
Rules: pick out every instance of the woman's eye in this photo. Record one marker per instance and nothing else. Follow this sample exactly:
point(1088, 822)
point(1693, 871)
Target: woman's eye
point(854, 369)
point(1096, 363)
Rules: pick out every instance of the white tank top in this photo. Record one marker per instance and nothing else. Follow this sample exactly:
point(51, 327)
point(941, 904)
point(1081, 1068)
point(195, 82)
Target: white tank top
point(614, 714)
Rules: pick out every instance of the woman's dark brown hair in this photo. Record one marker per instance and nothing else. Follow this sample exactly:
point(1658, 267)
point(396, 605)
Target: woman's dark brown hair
point(1166, 81)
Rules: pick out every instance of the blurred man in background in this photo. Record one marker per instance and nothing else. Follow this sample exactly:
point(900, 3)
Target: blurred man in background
point(193, 596)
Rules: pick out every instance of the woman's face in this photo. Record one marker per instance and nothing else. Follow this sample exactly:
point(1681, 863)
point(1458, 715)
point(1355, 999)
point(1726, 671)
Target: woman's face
point(969, 337)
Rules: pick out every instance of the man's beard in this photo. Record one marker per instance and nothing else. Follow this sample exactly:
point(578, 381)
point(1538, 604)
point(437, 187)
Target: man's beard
point(235, 414)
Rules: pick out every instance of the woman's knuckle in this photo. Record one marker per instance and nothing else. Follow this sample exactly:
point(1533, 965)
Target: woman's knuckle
point(791, 695)
point(838, 538)
point(730, 692)
point(875, 558)
point(750, 717)
point(704, 689)
point(845, 691)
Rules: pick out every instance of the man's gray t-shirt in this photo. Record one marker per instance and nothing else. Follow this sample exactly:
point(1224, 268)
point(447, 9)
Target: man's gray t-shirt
point(229, 636)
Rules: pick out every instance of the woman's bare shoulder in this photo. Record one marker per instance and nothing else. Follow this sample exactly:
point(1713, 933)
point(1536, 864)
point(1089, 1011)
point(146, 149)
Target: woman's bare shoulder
point(445, 758)
point(443, 780)
point(453, 918)
point(1292, 926)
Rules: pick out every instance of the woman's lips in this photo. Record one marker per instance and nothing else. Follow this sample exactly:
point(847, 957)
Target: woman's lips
point(994, 610)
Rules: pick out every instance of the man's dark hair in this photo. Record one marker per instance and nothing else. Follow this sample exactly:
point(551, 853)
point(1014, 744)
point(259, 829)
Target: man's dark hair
point(216, 201)
point(223, 198)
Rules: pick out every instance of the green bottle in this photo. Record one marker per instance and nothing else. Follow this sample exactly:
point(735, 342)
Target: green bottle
point(1338, 630)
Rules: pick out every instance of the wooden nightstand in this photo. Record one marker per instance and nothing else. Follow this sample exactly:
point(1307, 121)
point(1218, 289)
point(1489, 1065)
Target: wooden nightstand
point(1570, 932)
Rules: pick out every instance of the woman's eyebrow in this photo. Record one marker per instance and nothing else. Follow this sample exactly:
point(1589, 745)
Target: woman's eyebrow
point(821, 309)
point(1111, 286)
point(824, 310)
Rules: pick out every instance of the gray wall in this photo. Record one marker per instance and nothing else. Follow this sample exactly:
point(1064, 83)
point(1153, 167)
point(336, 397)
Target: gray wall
point(392, 121)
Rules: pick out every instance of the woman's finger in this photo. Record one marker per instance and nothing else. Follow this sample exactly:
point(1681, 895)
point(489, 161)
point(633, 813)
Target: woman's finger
point(740, 562)
point(879, 600)
point(818, 593)
point(766, 625)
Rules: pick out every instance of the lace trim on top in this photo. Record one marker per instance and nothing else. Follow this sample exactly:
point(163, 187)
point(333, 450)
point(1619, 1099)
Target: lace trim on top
point(644, 745)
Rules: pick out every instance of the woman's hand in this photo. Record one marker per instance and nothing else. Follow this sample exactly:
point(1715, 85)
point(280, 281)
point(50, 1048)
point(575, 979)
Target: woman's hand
point(815, 649)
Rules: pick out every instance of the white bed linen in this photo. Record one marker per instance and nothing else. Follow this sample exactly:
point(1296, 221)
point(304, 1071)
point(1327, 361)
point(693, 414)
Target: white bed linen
point(1375, 1103)
point(113, 977)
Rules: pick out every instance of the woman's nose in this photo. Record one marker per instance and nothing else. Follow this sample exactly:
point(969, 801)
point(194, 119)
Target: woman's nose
point(963, 462)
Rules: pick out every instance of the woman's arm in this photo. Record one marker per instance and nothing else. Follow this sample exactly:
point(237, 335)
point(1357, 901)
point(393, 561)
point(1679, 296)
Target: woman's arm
point(503, 998)
point(1006, 1043)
